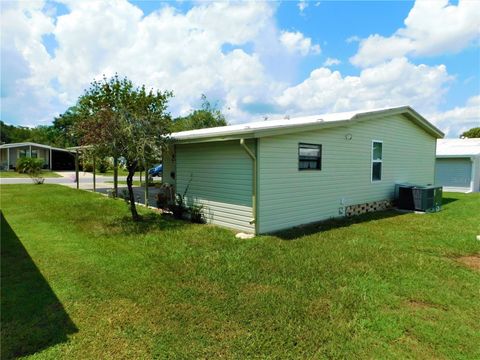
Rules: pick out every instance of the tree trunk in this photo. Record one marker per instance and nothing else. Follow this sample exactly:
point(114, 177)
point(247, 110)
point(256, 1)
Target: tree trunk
point(131, 172)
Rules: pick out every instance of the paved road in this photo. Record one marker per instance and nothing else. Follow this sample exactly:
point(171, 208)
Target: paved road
point(103, 184)
point(68, 178)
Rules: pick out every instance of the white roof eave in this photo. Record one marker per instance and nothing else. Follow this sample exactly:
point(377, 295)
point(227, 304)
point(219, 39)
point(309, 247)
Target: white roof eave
point(274, 127)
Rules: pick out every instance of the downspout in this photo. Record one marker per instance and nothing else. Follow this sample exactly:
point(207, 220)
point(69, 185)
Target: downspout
point(254, 182)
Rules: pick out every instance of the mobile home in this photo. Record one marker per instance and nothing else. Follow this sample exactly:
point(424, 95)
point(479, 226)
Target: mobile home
point(266, 176)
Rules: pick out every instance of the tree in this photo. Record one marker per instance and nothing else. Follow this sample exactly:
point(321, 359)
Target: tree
point(64, 126)
point(472, 133)
point(13, 134)
point(119, 120)
point(206, 117)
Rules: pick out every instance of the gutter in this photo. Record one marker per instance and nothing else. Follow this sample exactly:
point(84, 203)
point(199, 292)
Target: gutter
point(254, 181)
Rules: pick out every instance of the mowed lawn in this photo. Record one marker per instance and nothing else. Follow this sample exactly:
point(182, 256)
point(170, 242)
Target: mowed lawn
point(80, 280)
point(14, 174)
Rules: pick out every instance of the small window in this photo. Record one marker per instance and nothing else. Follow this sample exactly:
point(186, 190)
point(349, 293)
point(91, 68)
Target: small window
point(34, 154)
point(377, 160)
point(309, 157)
point(22, 153)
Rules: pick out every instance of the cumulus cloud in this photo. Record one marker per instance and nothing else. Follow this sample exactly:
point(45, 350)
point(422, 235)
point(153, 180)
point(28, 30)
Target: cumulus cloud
point(233, 52)
point(394, 83)
point(296, 42)
point(459, 119)
point(431, 28)
point(164, 50)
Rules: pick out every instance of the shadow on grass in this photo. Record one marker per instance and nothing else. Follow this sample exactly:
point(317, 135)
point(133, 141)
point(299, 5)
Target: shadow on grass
point(300, 231)
point(446, 201)
point(32, 317)
point(149, 222)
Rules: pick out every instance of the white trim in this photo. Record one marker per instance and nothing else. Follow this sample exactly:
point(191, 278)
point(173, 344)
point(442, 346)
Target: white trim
point(472, 174)
point(376, 161)
point(288, 126)
point(15, 145)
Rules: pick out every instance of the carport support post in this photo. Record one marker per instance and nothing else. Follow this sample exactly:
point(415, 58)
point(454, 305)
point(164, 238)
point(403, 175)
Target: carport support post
point(30, 148)
point(115, 177)
point(146, 185)
point(94, 175)
point(76, 168)
point(8, 158)
point(50, 159)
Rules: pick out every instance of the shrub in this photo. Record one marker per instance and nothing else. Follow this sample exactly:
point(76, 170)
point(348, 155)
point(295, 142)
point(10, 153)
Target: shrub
point(179, 209)
point(32, 167)
point(196, 214)
point(102, 165)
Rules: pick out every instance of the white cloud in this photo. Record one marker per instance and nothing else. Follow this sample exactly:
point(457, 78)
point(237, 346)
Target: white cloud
point(302, 5)
point(459, 119)
point(431, 28)
point(26, 67)
point(296, 42)
point(394, 83)
point(331, 62)
point(165, 50)
point(353, 38)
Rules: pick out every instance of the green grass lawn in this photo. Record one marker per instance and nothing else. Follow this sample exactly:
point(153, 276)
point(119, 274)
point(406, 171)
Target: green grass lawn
point(80, 280)
point(14, 174)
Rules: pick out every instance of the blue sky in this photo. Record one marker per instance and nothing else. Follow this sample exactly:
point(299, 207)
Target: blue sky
point(263, 59)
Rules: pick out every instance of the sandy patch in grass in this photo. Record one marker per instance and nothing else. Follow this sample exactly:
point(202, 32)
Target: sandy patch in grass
point(471, 261)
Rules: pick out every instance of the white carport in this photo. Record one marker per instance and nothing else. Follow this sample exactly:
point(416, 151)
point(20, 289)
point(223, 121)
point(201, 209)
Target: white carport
point(457, 166)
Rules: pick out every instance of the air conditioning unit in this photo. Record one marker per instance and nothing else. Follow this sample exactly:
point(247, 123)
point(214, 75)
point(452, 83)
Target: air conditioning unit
point(419, 198)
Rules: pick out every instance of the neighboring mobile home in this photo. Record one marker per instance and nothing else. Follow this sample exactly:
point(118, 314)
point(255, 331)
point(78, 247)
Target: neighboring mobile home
point(54, 158)
point(458, 165)
point(270, 175)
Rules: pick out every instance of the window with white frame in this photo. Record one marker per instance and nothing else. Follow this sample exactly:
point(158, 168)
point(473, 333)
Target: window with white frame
point(22, 153)
point(34, 154)
point(377, 160)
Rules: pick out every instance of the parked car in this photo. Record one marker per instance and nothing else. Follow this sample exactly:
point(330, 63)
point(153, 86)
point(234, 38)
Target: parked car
point(156, 171)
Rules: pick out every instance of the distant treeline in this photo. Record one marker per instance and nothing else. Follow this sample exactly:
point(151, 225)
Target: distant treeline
point(62, 131)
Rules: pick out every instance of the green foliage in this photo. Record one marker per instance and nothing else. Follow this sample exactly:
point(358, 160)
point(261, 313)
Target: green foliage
point(197, 215)
point(13, 134)
point(206, 117)
point(64, 126)
point(28, 165)
point(102, 164)
point(120, 120)
point(32, 167)
point(58, 134)
point(472, 133)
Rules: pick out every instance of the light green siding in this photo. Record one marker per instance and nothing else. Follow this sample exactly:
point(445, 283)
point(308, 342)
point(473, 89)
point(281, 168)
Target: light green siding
point(219, 176)
point(288, 197)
